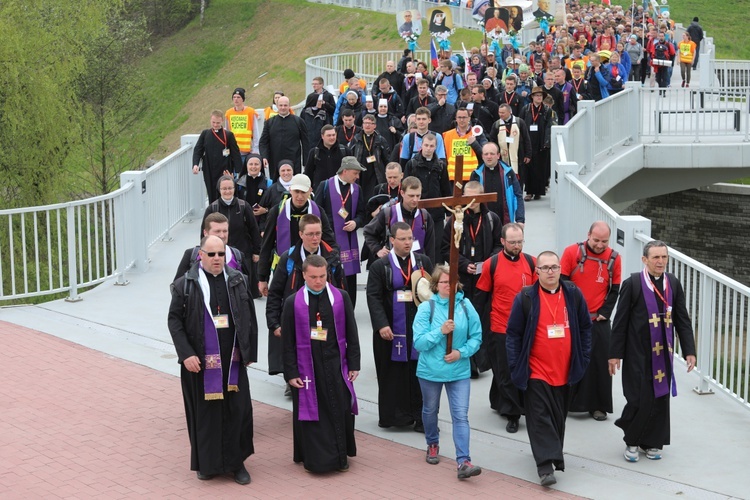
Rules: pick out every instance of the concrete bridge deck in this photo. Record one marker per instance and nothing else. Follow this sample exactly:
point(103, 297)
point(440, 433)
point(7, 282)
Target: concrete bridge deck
point(706, 460)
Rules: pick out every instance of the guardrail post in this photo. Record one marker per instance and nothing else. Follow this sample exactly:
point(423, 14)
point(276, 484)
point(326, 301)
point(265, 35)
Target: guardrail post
point(624, 236)
point(556, 156)
point(134, 218)
point(565, 210)
point(634, 107)
point(70, 216)
point(196, 189)
point(588, 125)
point(705, 333)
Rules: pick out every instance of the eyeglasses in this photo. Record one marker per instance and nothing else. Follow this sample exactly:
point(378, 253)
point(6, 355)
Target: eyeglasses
point(313, 235)
point(514, 243)
point(549, 269)
point(214, 254)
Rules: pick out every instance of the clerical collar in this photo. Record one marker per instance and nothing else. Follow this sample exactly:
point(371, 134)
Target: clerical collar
point(304, 252)
point(491, 167)
point(342, 181)
point(551, 292)
point(217, 129)
point(512, 258)
point(655, 278)
point(313, 292)
point(428, 159)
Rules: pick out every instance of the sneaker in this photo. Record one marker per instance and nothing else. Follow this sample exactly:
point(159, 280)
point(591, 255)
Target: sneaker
point(652, 453)
point(432, 454)
point(631, 453)
point(548, 479)
point(466, 470)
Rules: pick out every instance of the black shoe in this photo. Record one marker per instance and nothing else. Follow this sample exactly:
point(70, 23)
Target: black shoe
point(548, 479)
point(204, 477)
point(241, 476)
point(512, 426)
point(384, 426)
point(344, 468)
point(419, 426)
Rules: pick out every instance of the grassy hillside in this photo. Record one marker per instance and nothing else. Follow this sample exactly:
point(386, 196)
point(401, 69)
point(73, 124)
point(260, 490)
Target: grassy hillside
point(195, 71)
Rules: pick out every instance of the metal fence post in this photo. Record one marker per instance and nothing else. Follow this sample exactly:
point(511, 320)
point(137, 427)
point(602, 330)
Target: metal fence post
point(624, 235)
point(196, 189)
point(134, 218)
point(704, 347)
point(70, 216)
point(588, 126)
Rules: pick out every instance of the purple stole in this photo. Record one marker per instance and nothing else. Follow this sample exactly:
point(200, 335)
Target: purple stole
point(658, 354)
point(348, 241)
point(308, 398)
point(566, 89)
point(417, 226)
point(398, 349)
point(283, 223)
point(213, 377)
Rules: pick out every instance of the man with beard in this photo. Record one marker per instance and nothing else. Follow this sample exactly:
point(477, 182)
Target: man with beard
point(503, 275)
point(215, 334)
point(595, 268)
point(321, 362)
point(392, 310)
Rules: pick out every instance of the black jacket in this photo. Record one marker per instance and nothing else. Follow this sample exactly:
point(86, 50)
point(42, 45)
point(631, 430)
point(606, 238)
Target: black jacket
point(187, 309)
point(434, 177)
point(323, 162)
point(243, 229)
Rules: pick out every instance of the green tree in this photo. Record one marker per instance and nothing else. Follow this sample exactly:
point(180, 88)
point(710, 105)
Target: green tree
point(112, 99)
point(41, 56)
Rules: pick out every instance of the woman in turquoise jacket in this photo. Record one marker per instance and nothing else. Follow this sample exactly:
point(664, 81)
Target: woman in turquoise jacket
point(436, 369)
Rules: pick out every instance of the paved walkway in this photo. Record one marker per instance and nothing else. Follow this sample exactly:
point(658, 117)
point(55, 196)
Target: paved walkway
point(78, 423)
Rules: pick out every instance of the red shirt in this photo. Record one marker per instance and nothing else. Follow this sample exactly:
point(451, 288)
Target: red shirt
point(549, 359)
point(510, 276)
point(594, 279)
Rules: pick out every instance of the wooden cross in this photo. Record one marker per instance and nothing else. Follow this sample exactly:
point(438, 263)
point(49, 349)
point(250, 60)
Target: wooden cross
point(458, 199)
point(658, 348)
point(654, 320)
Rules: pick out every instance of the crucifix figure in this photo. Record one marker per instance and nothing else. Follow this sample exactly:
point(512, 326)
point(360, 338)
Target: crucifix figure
point(459, 202)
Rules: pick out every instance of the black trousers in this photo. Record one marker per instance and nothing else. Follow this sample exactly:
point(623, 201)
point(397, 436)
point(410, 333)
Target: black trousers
point(505, 398)
point(546, 411)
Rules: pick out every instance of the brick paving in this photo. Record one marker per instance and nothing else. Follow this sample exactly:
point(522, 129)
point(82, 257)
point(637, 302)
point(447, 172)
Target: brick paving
point(77, 423)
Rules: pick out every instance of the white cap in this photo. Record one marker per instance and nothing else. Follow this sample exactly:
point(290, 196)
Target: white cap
point(300, 182)
point(368, 98)
point(382, 102)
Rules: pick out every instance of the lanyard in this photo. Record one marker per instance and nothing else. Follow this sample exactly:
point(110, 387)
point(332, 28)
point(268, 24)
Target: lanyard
point(224, 142)
point(578, 86)
point(474, 233)
point(343, 200)
point(406, 276)
point(364, 140)
point(546, 302)
point(512, 95)
point(535, 116)
point(426, 99)
point(666, 291)
point(349, 139)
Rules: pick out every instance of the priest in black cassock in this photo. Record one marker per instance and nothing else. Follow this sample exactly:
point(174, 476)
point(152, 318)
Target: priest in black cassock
point(650, 308)
point(215, 334)
point(321, 363)
point(217, 149)
point(539, 118)
point(392, 310)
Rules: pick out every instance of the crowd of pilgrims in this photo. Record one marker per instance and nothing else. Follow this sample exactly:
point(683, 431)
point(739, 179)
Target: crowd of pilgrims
point(367, 156)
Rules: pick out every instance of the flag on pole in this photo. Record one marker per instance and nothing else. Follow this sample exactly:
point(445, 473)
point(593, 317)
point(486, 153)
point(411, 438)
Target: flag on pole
point(433, 53)
point(608, 3)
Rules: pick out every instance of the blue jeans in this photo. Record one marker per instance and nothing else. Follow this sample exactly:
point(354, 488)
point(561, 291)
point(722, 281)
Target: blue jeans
point(458, 399)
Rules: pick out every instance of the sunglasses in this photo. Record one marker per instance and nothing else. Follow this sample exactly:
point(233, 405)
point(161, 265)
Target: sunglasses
point(214, 254)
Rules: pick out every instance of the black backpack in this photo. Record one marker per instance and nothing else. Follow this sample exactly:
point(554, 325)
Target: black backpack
point(661, 51)
point(583, 256)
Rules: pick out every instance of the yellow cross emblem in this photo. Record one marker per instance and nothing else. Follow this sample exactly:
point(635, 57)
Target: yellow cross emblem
point(658, 348)
point(654, 320)
point(659, 375)
point(668, 319)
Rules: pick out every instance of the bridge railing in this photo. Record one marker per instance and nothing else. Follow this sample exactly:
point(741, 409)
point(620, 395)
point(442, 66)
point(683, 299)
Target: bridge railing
point(718, 305)
point(64, 247)
point(720, 315)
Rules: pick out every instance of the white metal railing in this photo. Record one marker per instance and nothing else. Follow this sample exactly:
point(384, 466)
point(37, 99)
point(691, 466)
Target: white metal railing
point(719, 309)
point(695, 112)
point(63, 247)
